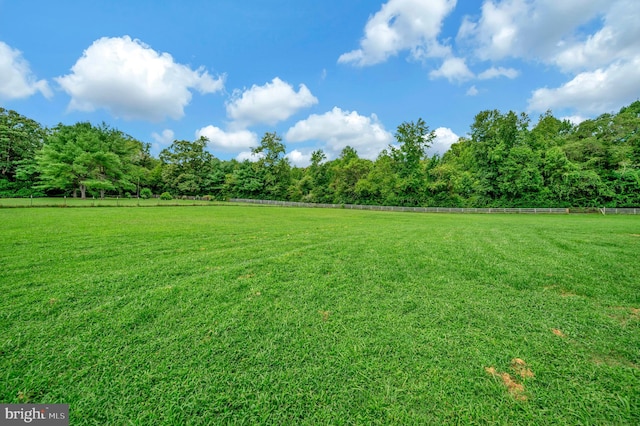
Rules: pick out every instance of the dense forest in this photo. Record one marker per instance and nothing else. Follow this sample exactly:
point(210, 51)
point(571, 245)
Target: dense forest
point(505, 161)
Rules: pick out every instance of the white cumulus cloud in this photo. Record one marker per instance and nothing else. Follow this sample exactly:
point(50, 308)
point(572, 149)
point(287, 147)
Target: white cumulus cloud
point(338, 129)
point(248, 155)
point(445, 137)
point(593, 92)
point(574, 119)
point(299, 158)
point(228, 141)
point(17, 81)
point(530, 29)
point(399, 25)
point(164, 138)
point(131, 80)
point(495, 72)
point(594, 42)
point(268, 104)
point(616, 40)
point(454, 70)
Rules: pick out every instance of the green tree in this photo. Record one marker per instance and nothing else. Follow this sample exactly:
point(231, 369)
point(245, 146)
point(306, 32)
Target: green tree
point(555, 169)
point(215, 183)
point(85, 158)
point(381, 183)
point(520, 181)
point(550, 132)
point(142, 169)
point(493, 135)
point(20, 139)
point(413, 140)
point(186, 167)
point(454, 181)
point(631, 131)
point(317, 179)
point(244, 181)
point(273, 167)
point(346, 172)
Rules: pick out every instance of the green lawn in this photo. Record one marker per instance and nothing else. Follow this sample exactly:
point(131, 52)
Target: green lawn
point(266, 315)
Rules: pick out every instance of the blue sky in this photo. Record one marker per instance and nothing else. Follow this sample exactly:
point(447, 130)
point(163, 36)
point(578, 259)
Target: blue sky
point(322, 74)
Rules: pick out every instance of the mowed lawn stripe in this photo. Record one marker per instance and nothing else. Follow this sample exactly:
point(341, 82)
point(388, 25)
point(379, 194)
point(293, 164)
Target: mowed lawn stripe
point(282, 315)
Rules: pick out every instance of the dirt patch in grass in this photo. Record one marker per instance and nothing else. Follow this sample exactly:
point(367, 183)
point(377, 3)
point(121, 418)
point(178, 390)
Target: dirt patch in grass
point(325, 315)
point(515, 389)
point(558, 333)
point(520, 367)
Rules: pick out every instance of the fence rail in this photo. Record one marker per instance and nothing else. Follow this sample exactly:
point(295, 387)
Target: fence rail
point(543, 210)
point(620, 211)
point(198, 201)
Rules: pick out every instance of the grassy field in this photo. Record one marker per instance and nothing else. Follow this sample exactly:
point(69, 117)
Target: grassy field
point(264, 315)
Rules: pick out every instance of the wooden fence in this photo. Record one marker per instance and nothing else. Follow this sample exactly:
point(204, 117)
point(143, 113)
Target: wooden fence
point(534, 210)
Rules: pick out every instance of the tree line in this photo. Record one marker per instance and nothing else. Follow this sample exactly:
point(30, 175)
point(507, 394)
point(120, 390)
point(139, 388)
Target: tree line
point(505, 161)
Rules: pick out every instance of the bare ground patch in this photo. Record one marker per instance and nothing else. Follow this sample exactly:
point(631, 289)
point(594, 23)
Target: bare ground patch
point(520, 367)
point(514, 387)
point(558, 332)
